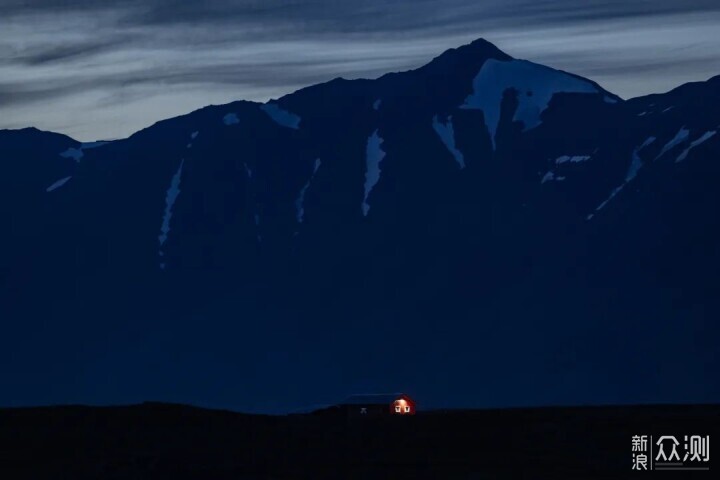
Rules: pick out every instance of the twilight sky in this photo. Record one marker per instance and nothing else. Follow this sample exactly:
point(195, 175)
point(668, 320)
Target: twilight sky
point(96, 69)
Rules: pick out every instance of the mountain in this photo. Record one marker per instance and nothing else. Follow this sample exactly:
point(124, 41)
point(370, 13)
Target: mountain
point(480, 231)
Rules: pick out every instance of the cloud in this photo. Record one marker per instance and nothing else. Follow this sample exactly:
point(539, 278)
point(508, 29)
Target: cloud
point(375, 16)
point(92, 56)
point(64, 53)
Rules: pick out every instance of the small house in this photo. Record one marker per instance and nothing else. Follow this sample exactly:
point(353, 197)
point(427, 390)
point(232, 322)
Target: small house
point(374, 405)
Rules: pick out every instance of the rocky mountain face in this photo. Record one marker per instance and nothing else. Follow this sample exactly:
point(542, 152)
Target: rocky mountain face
point(479, 231)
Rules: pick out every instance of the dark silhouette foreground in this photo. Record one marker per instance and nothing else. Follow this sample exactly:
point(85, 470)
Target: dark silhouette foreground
point(179, 442)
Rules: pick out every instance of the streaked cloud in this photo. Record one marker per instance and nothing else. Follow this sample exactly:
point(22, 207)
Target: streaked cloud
point(103, 69)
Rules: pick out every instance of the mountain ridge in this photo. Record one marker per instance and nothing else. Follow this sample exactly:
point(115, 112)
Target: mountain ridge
point(480, 44)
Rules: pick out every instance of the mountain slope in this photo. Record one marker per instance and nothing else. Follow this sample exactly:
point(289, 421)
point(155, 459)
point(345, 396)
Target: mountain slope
point(34, 163)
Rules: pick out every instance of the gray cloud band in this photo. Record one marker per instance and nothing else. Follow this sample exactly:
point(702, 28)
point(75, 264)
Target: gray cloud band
point(51, 50)
point(359, 15)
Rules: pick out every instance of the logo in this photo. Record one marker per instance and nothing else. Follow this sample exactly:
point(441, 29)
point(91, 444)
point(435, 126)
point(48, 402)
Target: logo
point(667, 452)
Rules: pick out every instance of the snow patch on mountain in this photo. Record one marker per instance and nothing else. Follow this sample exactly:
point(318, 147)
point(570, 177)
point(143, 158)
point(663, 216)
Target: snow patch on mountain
point(681, 136)
point(74, 153)
point(193, 136)
point(635, 165)
point(377, 103)
point(550, 175)
point(535, 85)
point(231, 119)
point(374, 155)
point(446, 132)
point(170, 198)
point(668, 109)
point(647, 142)
point(58, 184)
point(706, 136)
point(607, 200)
point(572, 159)
point(280, 116)
point(300, 202)
point(248, 171)
point(78, 153)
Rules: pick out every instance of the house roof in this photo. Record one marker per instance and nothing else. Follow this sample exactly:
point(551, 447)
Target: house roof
point(372, 398)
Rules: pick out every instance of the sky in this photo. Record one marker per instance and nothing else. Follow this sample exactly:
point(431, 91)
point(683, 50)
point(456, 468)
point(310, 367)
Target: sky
point(103, 69)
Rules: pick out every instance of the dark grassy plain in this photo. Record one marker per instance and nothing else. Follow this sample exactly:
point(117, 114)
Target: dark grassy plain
point(166, 441)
